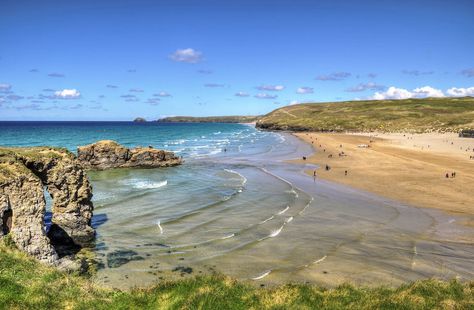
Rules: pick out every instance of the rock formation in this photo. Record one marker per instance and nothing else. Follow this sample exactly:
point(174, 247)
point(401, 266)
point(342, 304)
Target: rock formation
point(108, 154)
point(24, 173)
point(139, 120)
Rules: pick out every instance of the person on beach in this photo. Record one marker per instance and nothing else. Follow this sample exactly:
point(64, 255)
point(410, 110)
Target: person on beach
point(345, 172)
point(314, 175)
point(447, 175)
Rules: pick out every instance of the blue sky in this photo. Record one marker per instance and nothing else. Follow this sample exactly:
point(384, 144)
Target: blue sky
point(115, 60)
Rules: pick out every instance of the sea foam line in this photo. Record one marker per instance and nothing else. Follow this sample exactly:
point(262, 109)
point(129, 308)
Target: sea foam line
point(263, 275)
point(284, 210)
point(159, 227)
point(268, 219)
point(244, 179)
point(316, 261)
point(228, 236)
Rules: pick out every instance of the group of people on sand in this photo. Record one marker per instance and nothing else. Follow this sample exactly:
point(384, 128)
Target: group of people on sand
point(453, 175)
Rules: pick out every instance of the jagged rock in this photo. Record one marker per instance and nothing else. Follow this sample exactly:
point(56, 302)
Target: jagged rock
point(24, 172)
point(108, 154)
point(139, 120)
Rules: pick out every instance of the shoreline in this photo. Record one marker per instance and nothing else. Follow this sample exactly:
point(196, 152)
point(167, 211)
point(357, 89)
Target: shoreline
point(410, 168)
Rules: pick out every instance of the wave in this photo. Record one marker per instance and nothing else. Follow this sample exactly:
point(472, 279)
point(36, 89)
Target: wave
point(228, 236)
point(244, 179)
point(263, 275)
point(144, 184)
point(284, 210)
point(268, 219)
point(159, 227)
point(276, 232)
point(315, 262)
point(289, 219)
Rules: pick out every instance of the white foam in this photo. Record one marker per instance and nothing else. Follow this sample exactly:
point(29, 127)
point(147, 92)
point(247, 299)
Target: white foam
point(244, 179)
point(263, 275)
point(289, 219)
point(276, 232)
point(268, 219)
point(144, 184)
point(228, 236)
point(320, 260)
point(283, 211)
point(150, 185)
point(159, 227)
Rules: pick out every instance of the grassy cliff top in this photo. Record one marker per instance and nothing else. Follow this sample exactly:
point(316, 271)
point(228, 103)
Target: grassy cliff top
point(11, 159)
point(26, 284)
point(209, 119)
point(409, 115)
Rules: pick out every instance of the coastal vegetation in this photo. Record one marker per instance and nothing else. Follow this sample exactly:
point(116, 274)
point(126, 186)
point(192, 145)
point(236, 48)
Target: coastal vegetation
point(409, 115)
point(209, 119)
point(25, 283)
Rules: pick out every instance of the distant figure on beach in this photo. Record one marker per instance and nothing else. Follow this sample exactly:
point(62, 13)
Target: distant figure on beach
point(225, 150)
point(345, 172)
point(304, 157)
point(314, 175)
point(447, 175)
point(327, 168)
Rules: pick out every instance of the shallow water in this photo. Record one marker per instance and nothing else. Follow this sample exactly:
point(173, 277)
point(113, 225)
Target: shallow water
point(247, 213)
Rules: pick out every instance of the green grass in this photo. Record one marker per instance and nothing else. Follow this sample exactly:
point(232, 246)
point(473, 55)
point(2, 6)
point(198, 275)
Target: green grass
point(25, 284)
point(410, 115)
point(12, 159)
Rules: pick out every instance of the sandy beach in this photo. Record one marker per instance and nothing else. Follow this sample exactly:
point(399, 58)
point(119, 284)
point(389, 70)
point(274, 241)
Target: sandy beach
point(410, 168)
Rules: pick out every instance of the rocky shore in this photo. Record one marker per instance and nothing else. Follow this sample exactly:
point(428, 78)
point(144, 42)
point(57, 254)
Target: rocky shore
point(108, 154)
point(25, 173)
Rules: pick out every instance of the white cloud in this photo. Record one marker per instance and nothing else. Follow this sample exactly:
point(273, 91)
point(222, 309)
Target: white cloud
point(393, 93)
point(241, 94)
point(366, 86)
point(428, 91)
point(401, 93)
point(460, 92)
point(305, 90)
point(67, 94)
point(271, 87)
point(294, 102)
point(265, 96)
point(162, 94)
point(188, 55)
point(5, 87)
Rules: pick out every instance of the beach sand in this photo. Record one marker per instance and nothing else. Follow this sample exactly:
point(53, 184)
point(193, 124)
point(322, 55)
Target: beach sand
point(410, 168)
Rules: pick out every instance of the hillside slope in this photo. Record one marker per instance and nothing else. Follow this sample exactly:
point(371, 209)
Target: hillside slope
point(409, 115)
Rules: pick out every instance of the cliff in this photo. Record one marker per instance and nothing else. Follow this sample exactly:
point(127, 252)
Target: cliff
point(24, 173)
point(108, 154)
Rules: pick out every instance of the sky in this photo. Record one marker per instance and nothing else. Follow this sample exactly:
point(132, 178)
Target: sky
point(117, 60)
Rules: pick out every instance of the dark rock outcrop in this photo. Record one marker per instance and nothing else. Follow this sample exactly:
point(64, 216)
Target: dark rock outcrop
point(139, 120)
point(24, 173)
point(108, 154)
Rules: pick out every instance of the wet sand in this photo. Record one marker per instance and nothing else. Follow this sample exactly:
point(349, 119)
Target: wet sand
point(410, 168)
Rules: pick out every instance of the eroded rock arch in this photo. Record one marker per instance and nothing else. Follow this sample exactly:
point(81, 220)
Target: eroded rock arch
point(24, 172)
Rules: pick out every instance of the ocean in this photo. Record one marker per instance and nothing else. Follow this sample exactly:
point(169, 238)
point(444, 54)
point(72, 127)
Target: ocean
point(238, 207)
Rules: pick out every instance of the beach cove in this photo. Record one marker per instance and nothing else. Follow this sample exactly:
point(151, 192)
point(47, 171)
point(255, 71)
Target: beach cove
point(237, 207)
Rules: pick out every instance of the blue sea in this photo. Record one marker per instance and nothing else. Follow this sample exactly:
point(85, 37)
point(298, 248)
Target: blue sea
point(238, 207)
